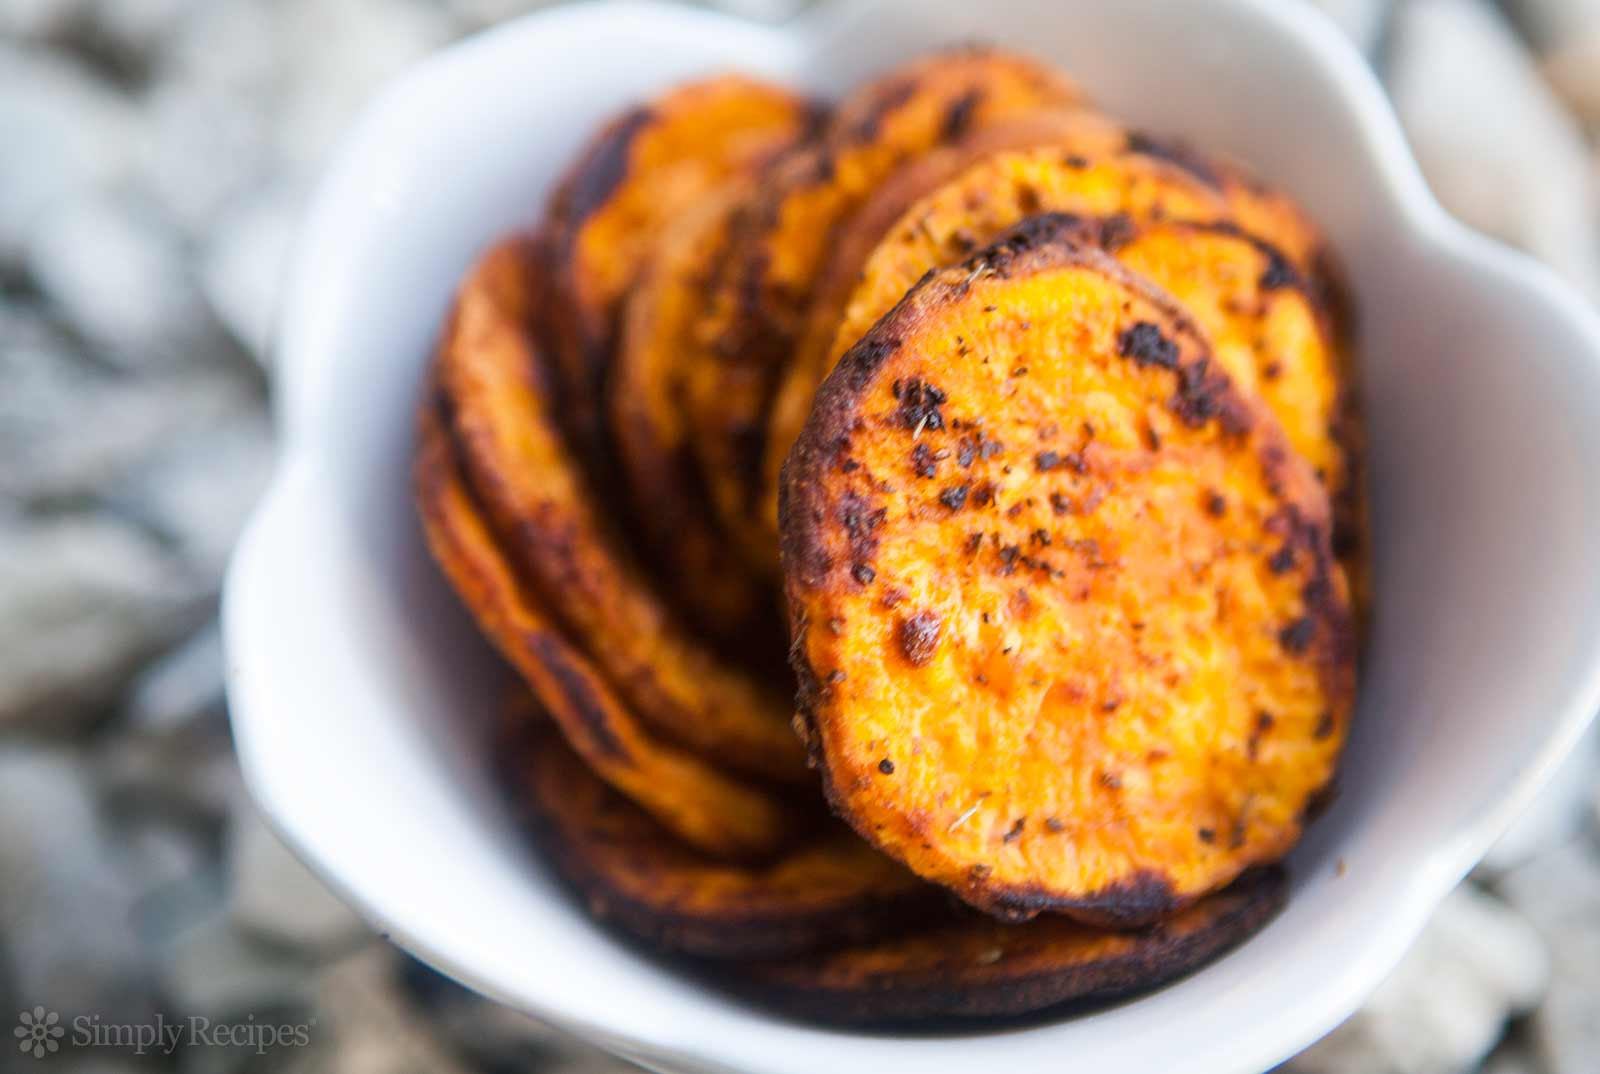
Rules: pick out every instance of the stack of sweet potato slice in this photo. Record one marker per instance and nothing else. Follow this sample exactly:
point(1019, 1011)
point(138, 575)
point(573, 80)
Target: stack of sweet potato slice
point(1029, 438)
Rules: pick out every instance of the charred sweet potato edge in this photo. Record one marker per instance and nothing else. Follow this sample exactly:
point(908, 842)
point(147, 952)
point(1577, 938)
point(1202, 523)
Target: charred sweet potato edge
point(550, 786)
point(820, 987)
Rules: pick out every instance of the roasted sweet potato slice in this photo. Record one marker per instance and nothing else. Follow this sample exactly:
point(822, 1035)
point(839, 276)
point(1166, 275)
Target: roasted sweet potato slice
point(1267, 321)
point(668, 497)
point(940, 208)
point(784, 237)
point(500, 414)
point(1256, 207)
point(981, 968)
point(647, 166)
point(1270, 216)
point(1068, 629)
point(830, 889)
point(689, 797)
point(1270, 329)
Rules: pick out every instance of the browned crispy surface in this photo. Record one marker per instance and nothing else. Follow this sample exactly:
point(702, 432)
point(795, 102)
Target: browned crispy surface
point(686, 795)
point(829, 890)
point(981, 968)
point(669, 499)
point(642, 170)
point(501, 418)
point(783, 237)
point(1068, 629)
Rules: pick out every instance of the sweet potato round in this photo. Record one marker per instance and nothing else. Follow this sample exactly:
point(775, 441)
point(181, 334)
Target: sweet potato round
point(1256, 207)
point(642, 170)
point(1271, 330)
point(829, 889)
point(784, 236)
point(1067, 626)
point(939, 209)
point(668, 498)
point(688, 797)
point(495, 383)
point(982, 968)
point(1267, 320)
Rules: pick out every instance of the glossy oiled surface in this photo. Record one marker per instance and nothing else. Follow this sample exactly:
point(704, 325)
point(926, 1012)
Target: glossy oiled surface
point(1072, 130)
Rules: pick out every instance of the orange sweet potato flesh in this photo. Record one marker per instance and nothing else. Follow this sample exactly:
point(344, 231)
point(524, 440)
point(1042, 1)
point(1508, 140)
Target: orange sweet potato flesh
point(1066, 621)
point(1267, 320)
point(494, 382)
point(668, 498)
point(982, 968)
point(784, 238)
point(829, 889)
point(688, 797)
point(642, 170)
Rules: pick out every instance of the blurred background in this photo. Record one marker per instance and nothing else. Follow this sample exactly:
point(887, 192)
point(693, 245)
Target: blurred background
point(154, 155)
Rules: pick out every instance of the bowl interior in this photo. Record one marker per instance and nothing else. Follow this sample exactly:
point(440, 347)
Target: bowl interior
point(359, 687)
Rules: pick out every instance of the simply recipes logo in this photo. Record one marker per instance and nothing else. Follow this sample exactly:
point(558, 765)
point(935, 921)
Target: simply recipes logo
point(40, 1032)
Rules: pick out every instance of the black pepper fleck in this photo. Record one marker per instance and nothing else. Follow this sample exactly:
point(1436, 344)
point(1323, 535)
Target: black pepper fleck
point(1296, 637)
point(1144, 343)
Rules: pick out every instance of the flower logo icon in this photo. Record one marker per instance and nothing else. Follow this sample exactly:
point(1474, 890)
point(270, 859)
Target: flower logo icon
point(37, 1032)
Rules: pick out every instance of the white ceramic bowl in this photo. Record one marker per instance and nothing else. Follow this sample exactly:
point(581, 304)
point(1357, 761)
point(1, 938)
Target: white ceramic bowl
point(358, 687)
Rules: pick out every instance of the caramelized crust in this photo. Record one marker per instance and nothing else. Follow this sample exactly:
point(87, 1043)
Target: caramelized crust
point(1255, 208)
point(1271, 330)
